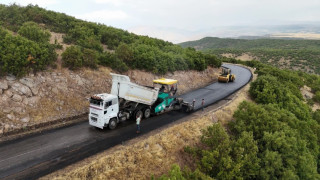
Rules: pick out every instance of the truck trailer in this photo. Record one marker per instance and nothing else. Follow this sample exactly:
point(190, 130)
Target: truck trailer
point(128, 100)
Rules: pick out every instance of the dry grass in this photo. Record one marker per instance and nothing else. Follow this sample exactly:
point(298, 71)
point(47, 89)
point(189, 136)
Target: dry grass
point(153, 153)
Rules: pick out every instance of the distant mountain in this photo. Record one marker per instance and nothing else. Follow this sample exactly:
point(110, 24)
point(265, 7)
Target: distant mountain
point(295, 54)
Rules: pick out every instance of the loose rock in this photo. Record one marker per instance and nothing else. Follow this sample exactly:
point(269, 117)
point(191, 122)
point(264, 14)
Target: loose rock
point(6, 110)
point(35, 90)
point(4, 85)
point(55, 90)
point(11, 78)
point(11, 117)
point(32, 101)
point(8, 93)
point(28, 82)
point(25, 119)
point(16, 98)
point(22, 89)
point(19, 110)
point(6, 127)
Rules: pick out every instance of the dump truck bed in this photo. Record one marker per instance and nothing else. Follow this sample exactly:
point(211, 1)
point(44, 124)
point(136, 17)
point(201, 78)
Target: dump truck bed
point(124, 88)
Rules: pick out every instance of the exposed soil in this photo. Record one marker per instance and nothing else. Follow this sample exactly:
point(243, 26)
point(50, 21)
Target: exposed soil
point(307, 94)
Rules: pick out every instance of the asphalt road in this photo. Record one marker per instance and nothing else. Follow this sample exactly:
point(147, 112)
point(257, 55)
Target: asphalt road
point(34, 156)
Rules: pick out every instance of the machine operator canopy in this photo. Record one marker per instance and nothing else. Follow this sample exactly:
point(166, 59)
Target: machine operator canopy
point(165, 81)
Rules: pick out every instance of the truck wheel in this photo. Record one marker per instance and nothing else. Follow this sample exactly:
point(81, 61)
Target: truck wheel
point(112, 123)
point(147, 113)
point(138, 113)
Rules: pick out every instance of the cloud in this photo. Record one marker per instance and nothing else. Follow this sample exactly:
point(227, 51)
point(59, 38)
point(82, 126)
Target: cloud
point(42, 3)
point(104, 15)
point(113, 2)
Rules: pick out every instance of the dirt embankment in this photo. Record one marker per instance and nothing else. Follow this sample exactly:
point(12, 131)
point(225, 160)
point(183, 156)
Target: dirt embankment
point(61, 93)
point(154, 153)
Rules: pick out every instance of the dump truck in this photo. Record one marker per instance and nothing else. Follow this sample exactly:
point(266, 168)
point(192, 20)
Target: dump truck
point(128, 100)
point(226, 76)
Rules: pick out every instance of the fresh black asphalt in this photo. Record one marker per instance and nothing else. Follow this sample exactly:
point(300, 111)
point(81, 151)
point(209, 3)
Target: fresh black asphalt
point(34, 156)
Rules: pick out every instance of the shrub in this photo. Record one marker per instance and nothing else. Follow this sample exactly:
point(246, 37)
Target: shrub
point(124, 53)
point(107, 59)
point(178, 174)
point(90, 58)
point(316, 97)
point(20, 55)
point(34, 32)
point(72, 57)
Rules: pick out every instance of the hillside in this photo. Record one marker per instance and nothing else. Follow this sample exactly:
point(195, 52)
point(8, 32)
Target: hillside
point(267, 131)
point(297, 54)
point(25, 47)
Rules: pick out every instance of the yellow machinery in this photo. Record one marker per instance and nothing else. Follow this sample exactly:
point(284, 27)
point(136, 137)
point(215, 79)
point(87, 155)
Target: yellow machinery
point(226, 75)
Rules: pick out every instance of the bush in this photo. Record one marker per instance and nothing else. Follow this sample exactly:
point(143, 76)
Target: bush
point(124, 53)
point(32, 31)
point(316, 97)
point(72, 57)
point(212, 60)
point(19, 55)
point(224, 157)
point(90, 58)
point(178, 174)
point(110, 60)
point(316, 116)
point(287, 146)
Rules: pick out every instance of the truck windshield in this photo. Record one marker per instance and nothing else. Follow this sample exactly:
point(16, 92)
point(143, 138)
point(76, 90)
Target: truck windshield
point(96, 102)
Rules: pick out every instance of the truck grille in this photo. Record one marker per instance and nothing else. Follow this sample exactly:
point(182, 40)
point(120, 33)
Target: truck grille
point(94, 119)
point(95, 114)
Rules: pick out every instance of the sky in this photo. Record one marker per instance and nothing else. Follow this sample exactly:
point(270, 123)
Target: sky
point(182, 20)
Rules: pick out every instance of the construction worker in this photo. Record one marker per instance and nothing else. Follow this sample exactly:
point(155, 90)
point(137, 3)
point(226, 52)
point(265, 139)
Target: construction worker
point(202, 104)
point(193, 103)
point(138, 123)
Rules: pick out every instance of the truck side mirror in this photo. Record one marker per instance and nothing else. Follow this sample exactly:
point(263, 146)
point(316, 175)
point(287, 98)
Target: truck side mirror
point(105, 112)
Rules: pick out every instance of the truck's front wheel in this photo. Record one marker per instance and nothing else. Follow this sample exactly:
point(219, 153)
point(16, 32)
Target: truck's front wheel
point(112, 123)
point(147, 113)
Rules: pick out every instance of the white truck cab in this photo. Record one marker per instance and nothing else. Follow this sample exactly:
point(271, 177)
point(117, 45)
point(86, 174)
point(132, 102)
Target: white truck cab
point(103, 110)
